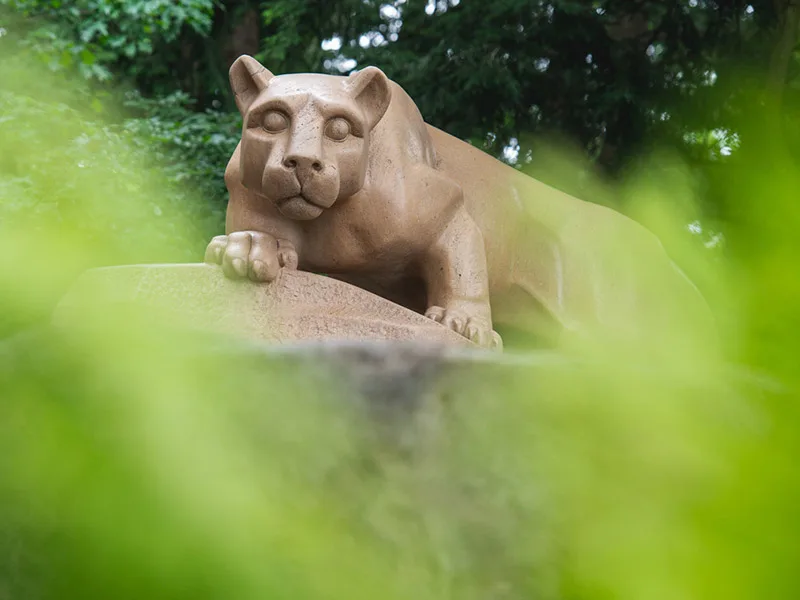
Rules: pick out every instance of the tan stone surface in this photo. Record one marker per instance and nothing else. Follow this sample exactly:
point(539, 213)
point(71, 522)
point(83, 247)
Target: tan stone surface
point(295, 306)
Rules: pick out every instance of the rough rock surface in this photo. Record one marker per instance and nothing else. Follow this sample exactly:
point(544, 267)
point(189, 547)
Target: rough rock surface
point(297, 306)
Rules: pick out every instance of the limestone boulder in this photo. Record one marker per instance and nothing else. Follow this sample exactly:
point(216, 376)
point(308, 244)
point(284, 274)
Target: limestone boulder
point(296, 307)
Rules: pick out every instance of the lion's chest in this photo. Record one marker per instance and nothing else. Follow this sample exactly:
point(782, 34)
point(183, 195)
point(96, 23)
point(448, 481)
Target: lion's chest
point(376, 234)
point(352, 248)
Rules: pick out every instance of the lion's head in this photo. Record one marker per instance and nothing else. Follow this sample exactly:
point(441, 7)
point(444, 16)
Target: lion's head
point(305, 140)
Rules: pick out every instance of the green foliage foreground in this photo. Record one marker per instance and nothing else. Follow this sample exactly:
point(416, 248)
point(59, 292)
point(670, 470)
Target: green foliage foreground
point(138, 462)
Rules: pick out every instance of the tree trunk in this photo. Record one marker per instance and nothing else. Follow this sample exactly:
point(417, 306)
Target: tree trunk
point(788, 21)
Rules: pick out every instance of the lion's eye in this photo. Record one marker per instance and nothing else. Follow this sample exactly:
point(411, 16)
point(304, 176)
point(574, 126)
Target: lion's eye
point(337, 129)
point(275, 121)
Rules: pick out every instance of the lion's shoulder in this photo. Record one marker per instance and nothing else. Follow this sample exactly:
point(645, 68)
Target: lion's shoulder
point(402, 134)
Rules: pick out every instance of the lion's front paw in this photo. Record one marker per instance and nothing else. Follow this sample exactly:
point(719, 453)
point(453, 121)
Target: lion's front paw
point(251, 254)
point(475, 329)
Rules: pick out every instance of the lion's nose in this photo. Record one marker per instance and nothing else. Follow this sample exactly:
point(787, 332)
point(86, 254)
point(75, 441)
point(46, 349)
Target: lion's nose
point(304, 162)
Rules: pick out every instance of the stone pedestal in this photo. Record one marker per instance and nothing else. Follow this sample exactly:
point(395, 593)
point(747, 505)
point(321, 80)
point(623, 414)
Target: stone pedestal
point(296, 307)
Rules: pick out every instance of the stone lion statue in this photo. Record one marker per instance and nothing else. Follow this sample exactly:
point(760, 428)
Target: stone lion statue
point(342, 176)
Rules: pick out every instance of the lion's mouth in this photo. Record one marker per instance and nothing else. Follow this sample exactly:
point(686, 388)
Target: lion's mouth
point(304, 198)
point(299, 207)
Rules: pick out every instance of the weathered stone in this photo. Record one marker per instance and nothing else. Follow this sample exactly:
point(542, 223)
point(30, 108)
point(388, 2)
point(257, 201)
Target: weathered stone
point(296, 306)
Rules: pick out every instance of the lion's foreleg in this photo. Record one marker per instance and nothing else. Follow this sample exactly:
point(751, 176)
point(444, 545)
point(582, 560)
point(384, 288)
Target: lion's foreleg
point(457, 280)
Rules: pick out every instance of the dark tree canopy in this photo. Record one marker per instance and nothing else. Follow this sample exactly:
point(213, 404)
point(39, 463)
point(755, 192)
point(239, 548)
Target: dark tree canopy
point(607, 75)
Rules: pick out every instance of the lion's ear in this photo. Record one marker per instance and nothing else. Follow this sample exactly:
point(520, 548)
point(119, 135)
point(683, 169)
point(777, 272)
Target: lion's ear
point(371, 90)
point(248, 79)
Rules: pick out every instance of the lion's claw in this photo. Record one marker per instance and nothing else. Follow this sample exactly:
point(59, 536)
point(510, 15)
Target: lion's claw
point(251, 254)
point(475, 329)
